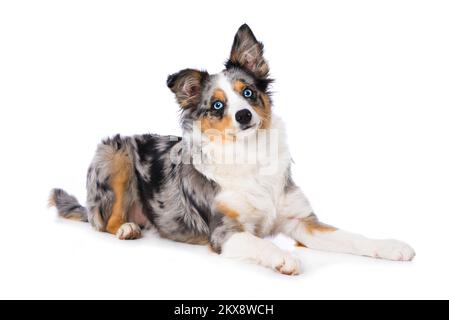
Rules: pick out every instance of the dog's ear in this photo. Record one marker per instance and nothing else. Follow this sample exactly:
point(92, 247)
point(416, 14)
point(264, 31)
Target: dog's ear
point(247, 53)
point(187, 85)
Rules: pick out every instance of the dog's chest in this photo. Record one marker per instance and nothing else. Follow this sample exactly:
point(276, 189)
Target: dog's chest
point(254, 191)
point(255, 197)
point(253, 185)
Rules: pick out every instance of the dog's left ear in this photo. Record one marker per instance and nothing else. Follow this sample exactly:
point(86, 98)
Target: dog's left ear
point(247, 53)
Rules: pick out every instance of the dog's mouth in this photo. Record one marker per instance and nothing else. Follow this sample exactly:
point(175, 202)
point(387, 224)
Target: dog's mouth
point(248, 127)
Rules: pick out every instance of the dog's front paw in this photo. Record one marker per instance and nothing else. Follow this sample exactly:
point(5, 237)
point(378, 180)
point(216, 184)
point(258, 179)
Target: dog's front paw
point(285, 263)
point(394, 250)
point(129, 231)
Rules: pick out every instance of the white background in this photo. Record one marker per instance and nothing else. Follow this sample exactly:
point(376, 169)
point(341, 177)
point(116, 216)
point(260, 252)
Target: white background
point(362, 85)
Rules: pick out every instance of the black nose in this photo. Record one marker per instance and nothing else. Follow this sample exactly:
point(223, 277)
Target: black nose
point(243, 116)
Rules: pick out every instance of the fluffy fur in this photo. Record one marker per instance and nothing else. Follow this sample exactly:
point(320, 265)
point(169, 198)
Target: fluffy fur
point(225, 183)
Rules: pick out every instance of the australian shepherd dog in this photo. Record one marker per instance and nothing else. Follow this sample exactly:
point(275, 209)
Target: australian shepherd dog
point(226, 183)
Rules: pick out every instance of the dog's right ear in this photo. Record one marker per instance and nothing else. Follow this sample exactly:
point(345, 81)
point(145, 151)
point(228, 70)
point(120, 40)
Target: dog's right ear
point(187, 85)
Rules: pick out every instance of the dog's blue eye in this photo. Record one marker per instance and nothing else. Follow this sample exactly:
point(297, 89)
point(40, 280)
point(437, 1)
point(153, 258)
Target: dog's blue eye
point(247, 93)
point(218, 105)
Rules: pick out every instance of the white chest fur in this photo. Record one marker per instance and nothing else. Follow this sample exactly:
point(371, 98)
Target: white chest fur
point(252, 175)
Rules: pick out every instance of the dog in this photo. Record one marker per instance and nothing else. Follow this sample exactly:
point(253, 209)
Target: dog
point(193, 190)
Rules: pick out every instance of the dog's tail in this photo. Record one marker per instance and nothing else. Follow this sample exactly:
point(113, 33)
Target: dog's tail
point(67, 205)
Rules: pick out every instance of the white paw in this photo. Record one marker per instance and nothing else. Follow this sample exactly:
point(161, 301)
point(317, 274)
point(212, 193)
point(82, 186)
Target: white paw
point(285, 263)
point(129, 231)
point(393, 250)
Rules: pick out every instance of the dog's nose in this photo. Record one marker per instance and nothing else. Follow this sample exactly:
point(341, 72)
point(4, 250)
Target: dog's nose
point(243, 116)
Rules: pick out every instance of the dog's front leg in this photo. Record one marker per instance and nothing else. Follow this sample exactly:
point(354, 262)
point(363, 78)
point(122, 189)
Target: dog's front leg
point(297, 221)
point(229, 238)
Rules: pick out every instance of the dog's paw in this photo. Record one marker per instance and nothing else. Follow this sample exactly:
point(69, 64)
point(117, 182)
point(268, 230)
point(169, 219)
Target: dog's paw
point(129, 231)
point(285, 263)
point(393, 250)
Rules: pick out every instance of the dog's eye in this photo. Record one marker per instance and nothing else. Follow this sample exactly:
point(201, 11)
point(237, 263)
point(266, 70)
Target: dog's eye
point(218, 105)
point(248, 93)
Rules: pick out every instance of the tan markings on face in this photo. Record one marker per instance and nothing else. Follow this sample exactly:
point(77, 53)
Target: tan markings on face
point(264, 111)
point(312, 225)
point(121, 172)
point(218, 130)
point(214, 123)
point(227, 211)
point(239, 85)
point(219, 95)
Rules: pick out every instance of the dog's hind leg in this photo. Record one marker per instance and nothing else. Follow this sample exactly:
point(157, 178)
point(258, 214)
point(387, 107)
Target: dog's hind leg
point(112, 189)
point(297, 221)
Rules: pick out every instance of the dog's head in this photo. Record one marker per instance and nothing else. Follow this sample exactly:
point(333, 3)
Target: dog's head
point(232, 102)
